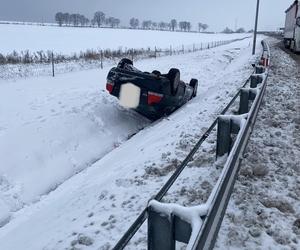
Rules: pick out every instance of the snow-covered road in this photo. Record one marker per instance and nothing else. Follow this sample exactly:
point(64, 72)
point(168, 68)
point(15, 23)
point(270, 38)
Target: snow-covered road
point(52, 128)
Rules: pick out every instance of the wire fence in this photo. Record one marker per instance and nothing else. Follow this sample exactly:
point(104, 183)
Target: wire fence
point(104, 55)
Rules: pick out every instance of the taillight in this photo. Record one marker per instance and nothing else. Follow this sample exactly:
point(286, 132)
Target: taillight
point(109, 86)
point(154, 98)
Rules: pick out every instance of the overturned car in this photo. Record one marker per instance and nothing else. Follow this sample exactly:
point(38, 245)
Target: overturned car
point(151, 94)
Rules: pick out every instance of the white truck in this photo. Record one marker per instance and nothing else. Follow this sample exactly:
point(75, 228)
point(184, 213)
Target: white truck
point(292, 27)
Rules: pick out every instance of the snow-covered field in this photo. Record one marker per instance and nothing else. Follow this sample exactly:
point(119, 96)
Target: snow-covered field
point(53, 128)
point(67, 40)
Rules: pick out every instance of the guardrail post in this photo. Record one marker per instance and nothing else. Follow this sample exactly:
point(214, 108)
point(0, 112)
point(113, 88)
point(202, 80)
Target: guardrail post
point(259, 69)
point(160, 231)
point(255, 79)
point(165, 228)
point(223, 135)
point(226, 127)
point(246, 95)
point(244, 101)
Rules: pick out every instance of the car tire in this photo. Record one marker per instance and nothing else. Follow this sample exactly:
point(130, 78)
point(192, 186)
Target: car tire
point(123, 62)
point(156, 72)
point(174, 78)
point(194, 85)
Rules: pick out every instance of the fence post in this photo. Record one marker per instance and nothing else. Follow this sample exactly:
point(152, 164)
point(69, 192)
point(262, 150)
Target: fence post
point(101, 59)
point(201, 45)
point(193, 47)
point(131, 54)
point(52, 61)
point(182, 49)
point(155, 52)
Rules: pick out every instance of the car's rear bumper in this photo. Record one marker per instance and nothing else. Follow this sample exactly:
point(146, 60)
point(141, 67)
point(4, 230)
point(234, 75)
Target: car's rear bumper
point(152, 111)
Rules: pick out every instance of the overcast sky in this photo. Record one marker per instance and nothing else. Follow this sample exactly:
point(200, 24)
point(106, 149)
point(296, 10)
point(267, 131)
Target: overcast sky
point(216, 13)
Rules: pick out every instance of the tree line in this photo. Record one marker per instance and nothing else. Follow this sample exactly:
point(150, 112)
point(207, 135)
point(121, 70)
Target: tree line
point(230, 31)
point(99, 19)
point(150, 25)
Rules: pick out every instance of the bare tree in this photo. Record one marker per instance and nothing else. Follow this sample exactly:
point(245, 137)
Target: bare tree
point(168, 26)
point(75, 18)
point(204, 26)
point(134, 23)
point(200, 26)
point(162, 25)
point(240, 30)
point(185, 26)
point(112, 22)
point(117, 22)
point(99, 18)
point(108, 21)
point(66, 18)
point(173, 24)
point(59, 18)
point(188, 26)
point(83, 20)
point(227, 31)
point(182, 26)
point(146, 24)
point(154, 25)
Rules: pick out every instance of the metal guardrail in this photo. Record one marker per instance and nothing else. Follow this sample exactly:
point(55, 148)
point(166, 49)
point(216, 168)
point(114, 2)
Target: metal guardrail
point(207, 235)
point(198, 226)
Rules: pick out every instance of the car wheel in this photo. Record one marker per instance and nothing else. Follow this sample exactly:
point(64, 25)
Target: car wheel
point(123, 62)
point(174, 78)
point(194, 85)
point(156, 72)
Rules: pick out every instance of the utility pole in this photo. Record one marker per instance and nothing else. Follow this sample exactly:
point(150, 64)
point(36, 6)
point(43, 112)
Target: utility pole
point(255, 27)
